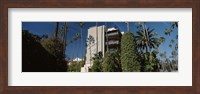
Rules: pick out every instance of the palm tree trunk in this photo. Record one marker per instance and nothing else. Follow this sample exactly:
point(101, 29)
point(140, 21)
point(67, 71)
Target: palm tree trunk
point(73, 52)
point(146, 33)
point(81, 24)
point(128, 27)
point(56, 29)
point(77, 51)
point(148, 50)
point(64, 37)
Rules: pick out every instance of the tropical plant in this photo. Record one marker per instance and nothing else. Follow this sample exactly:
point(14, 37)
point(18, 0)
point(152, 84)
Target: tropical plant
point(61, 34)
point(168, 31)
point(64, 37)
point(174, 24)
point(174, 54)
point(81, 25)
point(146, 39)
point(161, 40)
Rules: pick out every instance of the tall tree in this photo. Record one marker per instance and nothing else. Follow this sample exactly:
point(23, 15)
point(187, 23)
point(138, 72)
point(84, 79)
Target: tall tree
point(64, 36)
point(146, 38)
point(128, 26)
point(108, 63)
point(129, 54)
point(77, 37)
point(81, 25)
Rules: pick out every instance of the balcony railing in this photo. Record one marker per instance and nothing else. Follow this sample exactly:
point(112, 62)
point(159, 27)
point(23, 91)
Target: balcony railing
point(112, 34)
point(112, 42)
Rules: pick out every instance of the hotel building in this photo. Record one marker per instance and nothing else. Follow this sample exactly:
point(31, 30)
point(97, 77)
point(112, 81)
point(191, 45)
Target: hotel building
point(103, 39)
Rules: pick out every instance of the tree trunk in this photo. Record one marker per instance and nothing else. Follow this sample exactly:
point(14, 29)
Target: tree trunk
point(81, 42)
point(73, 51)
point(146, 37)
point(56, 29)
point(64, 37)
point(77, 51)
point(128, 27)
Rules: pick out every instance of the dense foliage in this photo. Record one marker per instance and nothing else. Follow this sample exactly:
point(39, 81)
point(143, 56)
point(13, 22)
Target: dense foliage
point(97, 62)
point(75, 66)
point(35, 58)
point(55, 47)
point(129, 54)
point(111, 62)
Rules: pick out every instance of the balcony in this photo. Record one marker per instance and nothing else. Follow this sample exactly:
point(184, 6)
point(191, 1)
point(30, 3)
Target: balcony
point(112, 42)
point(113, 34)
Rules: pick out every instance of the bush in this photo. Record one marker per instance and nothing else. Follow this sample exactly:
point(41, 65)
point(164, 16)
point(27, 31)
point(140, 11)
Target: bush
point(111, 62)
point(75, 66)
point(96, 67)
point(97, 62)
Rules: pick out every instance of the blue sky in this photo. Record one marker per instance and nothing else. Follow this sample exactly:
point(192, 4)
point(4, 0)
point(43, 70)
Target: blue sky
point(47, 28)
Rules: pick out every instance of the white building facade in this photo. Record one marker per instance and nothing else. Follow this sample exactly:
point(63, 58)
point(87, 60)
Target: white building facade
point(99, 45)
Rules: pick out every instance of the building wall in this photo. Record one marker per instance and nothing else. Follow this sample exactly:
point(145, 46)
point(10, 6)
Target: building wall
point(101, 44)
point(101, 35)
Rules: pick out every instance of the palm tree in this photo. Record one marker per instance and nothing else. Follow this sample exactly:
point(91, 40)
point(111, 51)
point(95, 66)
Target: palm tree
point(146, 39)
point(163, 57)
point(174, 24)
point(78, 35)
point(69, 42)
point(73, 39)
point(128, 27)
point(81, 25)
point(171, 41)
point(162, 40)
point(64, 37)
point(170, 45)
point(90, 41)
point(168, 31)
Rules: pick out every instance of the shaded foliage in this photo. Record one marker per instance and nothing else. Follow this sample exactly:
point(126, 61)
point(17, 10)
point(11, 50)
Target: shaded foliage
point(35, 58)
